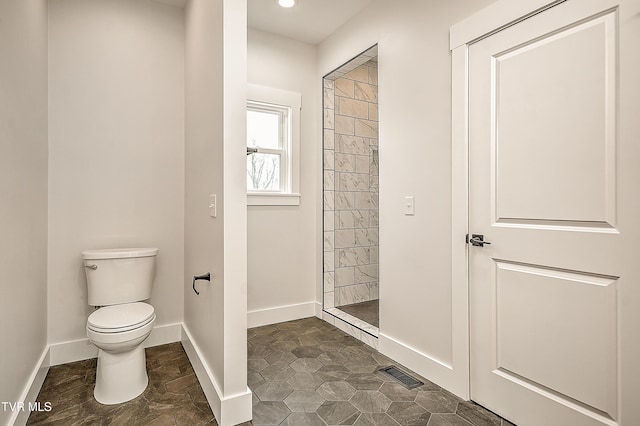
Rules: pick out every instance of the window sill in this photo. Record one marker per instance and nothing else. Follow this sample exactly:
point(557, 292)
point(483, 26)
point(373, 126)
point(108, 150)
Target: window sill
point(261, 199)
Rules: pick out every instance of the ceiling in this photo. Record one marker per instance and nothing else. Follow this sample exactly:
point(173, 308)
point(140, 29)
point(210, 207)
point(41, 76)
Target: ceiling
point(310, 21)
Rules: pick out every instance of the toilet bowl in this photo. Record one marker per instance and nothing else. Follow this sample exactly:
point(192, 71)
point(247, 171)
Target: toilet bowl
point(118, 280)
point(118, 332)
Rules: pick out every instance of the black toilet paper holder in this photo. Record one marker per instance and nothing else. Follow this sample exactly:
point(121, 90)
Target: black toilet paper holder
point(206, 277)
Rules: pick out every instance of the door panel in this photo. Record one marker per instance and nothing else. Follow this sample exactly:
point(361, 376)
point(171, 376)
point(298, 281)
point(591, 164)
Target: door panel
point(544, 182)
point(539, 310)
point(573, 71)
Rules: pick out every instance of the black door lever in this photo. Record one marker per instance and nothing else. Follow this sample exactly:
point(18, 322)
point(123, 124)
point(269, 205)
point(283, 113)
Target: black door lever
point(477, 240)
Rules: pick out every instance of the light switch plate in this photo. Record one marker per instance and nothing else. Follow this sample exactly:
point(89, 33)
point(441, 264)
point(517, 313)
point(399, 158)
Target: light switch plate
point(213, 205)
point(409, 206)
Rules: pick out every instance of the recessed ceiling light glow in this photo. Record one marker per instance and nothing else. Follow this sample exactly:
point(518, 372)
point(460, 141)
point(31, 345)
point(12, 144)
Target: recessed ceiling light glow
point(287, 3)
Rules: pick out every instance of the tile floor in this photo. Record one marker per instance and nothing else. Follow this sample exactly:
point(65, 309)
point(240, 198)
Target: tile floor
point(366, 311)
point(308, 373)
point(173, 397)
point(302, 373)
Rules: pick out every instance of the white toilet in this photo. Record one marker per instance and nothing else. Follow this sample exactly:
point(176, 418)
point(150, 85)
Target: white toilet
point(118, 280)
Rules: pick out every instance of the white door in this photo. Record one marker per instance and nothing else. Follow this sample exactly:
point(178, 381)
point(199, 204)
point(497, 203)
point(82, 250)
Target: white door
point(554, 180)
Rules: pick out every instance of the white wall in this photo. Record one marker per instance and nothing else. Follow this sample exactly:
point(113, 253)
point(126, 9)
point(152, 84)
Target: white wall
point(215, 74)
point(23, 190)
point(116, 166)
point(416, 324)
point(282, 244)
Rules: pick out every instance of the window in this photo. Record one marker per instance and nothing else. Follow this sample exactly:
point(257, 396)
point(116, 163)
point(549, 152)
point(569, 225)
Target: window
point(273, 118)
point(267, 139)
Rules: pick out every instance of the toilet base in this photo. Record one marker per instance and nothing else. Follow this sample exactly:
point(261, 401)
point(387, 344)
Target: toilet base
point(120, 377)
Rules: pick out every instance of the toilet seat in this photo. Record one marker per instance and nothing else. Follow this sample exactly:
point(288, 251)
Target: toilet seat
point(121, 318)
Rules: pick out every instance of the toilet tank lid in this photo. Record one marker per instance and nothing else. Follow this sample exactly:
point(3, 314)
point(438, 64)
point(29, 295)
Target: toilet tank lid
point(122, 253)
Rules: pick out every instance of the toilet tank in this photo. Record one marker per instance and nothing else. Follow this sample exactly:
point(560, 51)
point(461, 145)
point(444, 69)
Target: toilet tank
point(117, 276)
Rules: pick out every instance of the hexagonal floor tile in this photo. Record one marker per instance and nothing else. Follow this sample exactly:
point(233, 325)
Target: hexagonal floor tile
point(303, 419)
point(437, 402)
point(447, 420)
point(475, 414)
point(332, 358)
point(336, 391)
point(286, 335)
point(311, 339)
point(262, 340)
point(257, 364)
point(264, 330)
point(357, 351)
point(397, 392)
point(254, 379)
point(331, 345)
point(362, 364)
point(334, 372)
point(409, 414)
point(305, 401)
point(280, 356)
point(307, 351)
point(305, 381)
point(370, 401)
point(270, 413)
point(283, 346)
point(277, 372)
point(375, 419)
point(273, 391)
point(338, 413)
point(306, 365)
point(258, 352)
point(364, 381)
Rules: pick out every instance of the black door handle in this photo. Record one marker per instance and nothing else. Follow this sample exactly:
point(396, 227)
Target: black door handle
point(477, 240)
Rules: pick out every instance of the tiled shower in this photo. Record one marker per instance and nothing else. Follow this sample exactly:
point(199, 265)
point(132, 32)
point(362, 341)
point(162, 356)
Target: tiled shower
point(351, 182)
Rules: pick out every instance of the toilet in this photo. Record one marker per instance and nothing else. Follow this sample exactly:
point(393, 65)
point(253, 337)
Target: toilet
point(118, 281)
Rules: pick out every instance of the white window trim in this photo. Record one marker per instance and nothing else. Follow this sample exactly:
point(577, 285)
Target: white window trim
point(291, 195)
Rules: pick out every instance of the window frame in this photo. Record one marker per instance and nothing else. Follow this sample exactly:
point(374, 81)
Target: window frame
point(289, 104)
point(284, 119)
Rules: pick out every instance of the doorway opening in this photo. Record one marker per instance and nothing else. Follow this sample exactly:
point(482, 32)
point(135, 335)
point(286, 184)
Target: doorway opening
point(351, 192)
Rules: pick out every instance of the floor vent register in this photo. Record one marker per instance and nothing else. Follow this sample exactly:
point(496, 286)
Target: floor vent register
point(401, 377)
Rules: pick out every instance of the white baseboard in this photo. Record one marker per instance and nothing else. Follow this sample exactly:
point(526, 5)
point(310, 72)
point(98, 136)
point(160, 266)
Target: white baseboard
point(164, 334)
point(279, 314)
point(75, 350)
point(228, 411)
point(78, 350)
point(31, 391)
point(237, 409)
point(436, 371)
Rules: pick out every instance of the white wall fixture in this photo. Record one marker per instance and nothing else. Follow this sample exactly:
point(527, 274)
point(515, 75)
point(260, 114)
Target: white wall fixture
point(287, 3)
point(118, 281)
point(409, 206)
point(213, 205)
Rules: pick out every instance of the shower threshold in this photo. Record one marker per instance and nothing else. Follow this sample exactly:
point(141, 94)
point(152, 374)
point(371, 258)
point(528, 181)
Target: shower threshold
point(365, 311)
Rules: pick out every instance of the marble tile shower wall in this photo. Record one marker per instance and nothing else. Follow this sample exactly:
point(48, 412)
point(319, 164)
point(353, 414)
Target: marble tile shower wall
point(351, 187)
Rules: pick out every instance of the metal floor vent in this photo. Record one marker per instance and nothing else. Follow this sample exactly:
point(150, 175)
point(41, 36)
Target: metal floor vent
point(401, 377)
